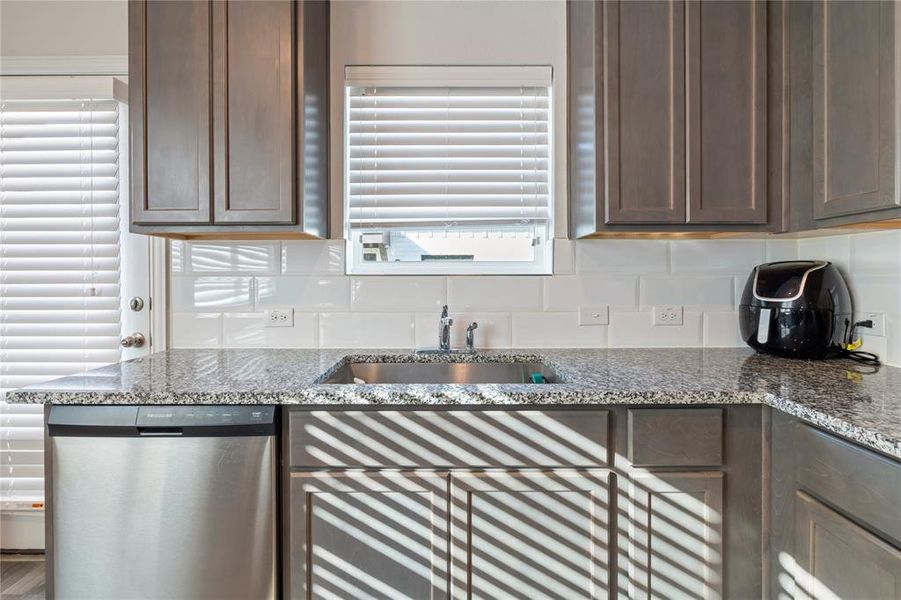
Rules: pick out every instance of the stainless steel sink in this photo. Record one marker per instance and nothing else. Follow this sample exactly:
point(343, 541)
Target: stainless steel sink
point(422, 372)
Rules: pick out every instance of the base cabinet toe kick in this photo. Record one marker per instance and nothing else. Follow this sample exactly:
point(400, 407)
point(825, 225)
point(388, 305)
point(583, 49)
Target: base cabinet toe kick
point(570, 503)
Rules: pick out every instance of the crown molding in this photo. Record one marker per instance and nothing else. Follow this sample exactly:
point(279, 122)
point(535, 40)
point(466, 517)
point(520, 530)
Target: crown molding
point(64, 65)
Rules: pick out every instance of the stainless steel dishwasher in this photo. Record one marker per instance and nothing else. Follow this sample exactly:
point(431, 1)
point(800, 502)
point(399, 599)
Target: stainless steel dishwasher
point(162, 502)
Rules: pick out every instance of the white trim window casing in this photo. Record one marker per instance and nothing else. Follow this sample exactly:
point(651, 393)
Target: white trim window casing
point(448, 170)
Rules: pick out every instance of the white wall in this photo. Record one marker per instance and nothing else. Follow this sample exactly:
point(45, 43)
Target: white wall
point(448, 32)
point(63, 28)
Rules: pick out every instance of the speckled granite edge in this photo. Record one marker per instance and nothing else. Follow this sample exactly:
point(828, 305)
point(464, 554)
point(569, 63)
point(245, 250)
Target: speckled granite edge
point(344, 396)
point(445, 395)
point(836, 425)
point(862, 407)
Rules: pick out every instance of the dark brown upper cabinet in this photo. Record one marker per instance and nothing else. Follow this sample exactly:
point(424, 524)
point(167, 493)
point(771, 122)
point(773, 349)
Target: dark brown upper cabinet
point(229, 105)
point(644, 61)
point(844, 113)
point(170, 116)
point(668, 116)
point(727, 100)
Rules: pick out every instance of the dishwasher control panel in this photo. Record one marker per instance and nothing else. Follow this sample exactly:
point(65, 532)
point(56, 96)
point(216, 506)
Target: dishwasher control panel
point(203, 416)
point(163, 420)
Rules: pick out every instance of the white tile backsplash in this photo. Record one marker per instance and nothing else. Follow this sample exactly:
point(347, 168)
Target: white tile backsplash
point(398, 294)
point(311, 293)
point(219, 292)
point(195, 330)
point(688, 290)
point(893, 340)
point(555, 330)
point(876, 293)
point(248, 330)
point(566, 293)
point(834, 248)
point(366, 330)
point(313, 256)
point(637, 330)
point(781, 249)
point(233, 257)
point(721, 330)
point(877, 253)
point(211, 293)
point(717, 256)
point(494, 293)
point(622, 256)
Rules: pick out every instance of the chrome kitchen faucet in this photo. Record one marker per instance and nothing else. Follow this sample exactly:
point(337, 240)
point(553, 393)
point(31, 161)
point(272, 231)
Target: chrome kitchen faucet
point(444, 336)
point(444, 326)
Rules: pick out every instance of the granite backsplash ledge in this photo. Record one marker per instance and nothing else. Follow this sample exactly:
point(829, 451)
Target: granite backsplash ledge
point(859, 402)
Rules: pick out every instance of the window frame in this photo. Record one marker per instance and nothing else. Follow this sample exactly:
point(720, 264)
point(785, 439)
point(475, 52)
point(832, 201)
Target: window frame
point(450, 76)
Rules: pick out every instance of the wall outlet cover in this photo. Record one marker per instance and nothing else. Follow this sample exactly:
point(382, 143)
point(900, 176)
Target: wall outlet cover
point(594, 314)
point(668, 314)
point(280, 317)
point(878, 319)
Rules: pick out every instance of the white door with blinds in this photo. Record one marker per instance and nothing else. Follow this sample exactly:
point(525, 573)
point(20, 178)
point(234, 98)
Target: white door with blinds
point(63, 249)
point(448, 169)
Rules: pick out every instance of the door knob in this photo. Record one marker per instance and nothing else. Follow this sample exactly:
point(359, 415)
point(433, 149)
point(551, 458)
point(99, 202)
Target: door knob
point(135, 340)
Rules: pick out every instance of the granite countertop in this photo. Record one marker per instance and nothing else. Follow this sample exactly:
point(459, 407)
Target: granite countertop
point(859, 402)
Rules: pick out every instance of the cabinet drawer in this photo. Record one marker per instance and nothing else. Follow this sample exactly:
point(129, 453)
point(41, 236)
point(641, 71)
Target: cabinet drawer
point(676, 437)
point(861, 483)
point(472, 439)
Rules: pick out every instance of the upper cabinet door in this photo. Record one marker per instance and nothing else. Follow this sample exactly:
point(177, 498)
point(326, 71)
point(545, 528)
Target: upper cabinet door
point(727, 62)
point(644, 64)
point(853, 108)
point(169, 88)
point(253, 91)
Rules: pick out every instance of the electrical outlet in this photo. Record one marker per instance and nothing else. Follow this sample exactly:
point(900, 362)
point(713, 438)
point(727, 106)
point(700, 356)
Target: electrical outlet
point(594, 314)
point(280, 317)
point(878, 319)
point(668, 314)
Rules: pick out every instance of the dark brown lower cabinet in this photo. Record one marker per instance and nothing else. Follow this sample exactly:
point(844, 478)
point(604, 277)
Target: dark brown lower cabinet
point(836, 558)
point(835, 522)
point(673, 526)
point(530, 534)
point(695, 516)
point(379, 534)
point(484, 504)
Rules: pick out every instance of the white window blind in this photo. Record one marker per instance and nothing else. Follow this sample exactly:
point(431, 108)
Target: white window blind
point(463, 159)
point(59, 263)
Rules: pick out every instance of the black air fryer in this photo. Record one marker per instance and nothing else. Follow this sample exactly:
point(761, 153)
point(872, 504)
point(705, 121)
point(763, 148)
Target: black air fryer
point(796, 309)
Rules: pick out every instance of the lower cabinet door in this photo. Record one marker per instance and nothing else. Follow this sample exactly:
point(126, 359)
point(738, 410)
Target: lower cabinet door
point(836, 558)
point(672, 529)
point(359, 534)
point(530, 534)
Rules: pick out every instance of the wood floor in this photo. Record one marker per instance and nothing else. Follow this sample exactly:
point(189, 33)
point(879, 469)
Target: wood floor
point(21, 577)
